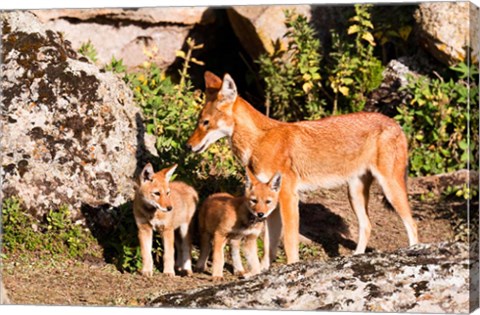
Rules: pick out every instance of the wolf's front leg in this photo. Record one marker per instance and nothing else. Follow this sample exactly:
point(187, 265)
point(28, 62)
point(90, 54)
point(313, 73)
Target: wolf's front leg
point(145, 237)
point(168, 252)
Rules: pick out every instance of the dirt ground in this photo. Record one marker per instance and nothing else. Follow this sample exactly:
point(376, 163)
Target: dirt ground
point(328, 226)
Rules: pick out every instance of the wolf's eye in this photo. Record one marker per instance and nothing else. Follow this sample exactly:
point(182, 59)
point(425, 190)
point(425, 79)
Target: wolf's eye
point(205, 122)
point(268, 201)
point(156, 193)
point(253, 201)
point(168, 192)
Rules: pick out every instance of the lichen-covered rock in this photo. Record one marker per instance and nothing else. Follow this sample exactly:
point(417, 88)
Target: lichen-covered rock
point(257, 27)
point(446, 28)
point(424, 278)
point(71, 134)
point(390, 94)
point(133, 35)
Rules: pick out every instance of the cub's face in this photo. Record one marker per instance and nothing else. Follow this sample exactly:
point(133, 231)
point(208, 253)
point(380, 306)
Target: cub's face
point(154, 189)
point(262, 197)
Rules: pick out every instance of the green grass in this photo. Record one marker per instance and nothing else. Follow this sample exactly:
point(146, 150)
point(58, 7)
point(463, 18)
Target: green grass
point(56, 234)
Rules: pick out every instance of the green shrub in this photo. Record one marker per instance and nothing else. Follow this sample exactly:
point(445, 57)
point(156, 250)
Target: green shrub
point(461, 192)
point(18, 227)
point(292, 77)
point(88, 50)
point(64, 236)
point(170, 111)
point(116, 66)
point(121, 244)
point(57, 234)
point(299, 84)
point(393, 31)
point(436, 122)
point(354, 71)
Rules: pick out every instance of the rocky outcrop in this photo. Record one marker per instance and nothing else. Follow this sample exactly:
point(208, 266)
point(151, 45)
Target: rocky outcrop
point(424, 278)
point(389, 95)
point(258, 27)
point(71, 134)
point(133, 35)
point(446, 28)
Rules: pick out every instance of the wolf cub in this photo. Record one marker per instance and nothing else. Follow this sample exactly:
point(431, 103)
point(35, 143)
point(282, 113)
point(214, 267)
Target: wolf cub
point(223, 218)
point(167, 208)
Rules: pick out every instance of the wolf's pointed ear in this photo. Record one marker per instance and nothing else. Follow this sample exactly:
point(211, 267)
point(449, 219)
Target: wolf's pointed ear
point(249, 178)
point(147, 174)
point(212, 81)
point(275, 182)
point(169, 172)
point(229, 90)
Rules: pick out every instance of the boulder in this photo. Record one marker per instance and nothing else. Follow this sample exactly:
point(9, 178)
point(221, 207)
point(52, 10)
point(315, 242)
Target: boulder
point(390, 95)
point(258, 27)
point(422, 279)
point(444, 29)
point(134, 35)
point(71, 134)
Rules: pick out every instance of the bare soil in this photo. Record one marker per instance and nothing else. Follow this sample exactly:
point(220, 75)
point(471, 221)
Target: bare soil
point(328, 228)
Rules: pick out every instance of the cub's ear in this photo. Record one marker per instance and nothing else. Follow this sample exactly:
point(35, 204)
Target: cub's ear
point(169, 172)
point(249, 178)
point(147, 174)
point(275, 182)
point(228, 91)
point(212, 81)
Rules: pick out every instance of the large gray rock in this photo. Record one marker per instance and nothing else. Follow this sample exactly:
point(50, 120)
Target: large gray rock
point(445, 28)
point(423, 279)
point(391, 93)
point(71, 134)
point(258, 27)
point(134, 35)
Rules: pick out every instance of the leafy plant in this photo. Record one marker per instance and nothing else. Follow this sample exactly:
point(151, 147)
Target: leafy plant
point(436, 121)
point(116, 66)
point(19, 227)
point(65, 233)
point(354, 69)
point(88, 50)
point(465, 223)
point(393, 30)
point(461, 191)
point(122, 244)
point(57, 234)
point(170, 111)
point(298, 83)
point(292, 77)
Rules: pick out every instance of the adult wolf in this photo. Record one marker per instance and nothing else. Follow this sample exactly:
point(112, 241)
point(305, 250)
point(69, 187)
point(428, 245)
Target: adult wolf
point(352, 149)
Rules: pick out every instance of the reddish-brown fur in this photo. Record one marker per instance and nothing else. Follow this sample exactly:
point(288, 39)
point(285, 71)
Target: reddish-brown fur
point(352, 149)
point(165, 207)
point(223, 218)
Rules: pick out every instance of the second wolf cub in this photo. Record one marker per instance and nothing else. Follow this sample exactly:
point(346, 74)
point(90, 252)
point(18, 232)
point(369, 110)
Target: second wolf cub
point(223, 218)
point(165, 207)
